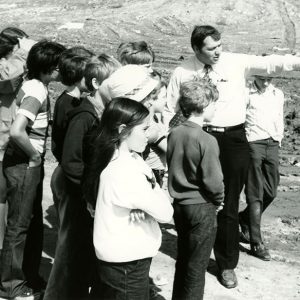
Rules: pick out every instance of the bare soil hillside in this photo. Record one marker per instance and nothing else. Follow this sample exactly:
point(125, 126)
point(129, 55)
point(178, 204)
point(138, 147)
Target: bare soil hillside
point(257, 26)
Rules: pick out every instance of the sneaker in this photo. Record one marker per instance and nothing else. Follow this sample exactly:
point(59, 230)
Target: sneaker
point(260, 251)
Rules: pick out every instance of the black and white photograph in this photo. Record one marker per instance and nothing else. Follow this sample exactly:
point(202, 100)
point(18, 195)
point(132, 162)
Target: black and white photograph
point(149, 150)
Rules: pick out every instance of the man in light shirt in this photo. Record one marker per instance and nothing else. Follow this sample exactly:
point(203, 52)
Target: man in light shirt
point(264, 131)
point(228, 71)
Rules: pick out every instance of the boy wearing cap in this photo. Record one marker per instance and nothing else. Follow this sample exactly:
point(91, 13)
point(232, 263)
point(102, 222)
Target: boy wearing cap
point(264, 130)
point(142, 84)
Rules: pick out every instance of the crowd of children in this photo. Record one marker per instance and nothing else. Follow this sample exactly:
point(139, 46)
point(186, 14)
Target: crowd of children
point(113, 145)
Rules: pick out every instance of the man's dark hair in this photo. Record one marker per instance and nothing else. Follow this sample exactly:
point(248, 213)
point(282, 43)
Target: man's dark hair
point(43, 58)
point(71, 68)
point(200, 33)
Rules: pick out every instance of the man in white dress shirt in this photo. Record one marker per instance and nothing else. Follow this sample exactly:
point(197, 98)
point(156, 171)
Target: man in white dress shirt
point(264, 131)
point(228, 71)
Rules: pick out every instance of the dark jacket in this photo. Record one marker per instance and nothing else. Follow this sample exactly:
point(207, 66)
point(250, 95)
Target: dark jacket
point(63, 105)
point(80, 122)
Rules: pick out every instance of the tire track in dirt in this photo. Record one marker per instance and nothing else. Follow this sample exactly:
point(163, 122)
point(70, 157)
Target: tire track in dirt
point(290, 30)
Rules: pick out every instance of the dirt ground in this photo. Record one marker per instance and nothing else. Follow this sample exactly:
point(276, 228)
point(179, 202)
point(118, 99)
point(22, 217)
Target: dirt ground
point(257, 26)
point(278, 279)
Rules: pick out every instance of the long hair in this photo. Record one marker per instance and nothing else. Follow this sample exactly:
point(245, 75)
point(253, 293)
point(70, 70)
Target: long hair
point(103, 142)
point(9, 38)
point(14, 34)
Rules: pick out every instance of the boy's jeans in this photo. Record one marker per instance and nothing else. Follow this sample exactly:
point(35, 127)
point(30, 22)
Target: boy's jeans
point(23, 240)
point(196, 226)
point(261, 185)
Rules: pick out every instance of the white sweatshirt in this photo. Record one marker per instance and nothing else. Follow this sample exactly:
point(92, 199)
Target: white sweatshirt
point(123, 187)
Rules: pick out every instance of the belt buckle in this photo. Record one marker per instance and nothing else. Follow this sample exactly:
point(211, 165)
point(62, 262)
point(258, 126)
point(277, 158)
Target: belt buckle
point(219, 129)
point(213, 129)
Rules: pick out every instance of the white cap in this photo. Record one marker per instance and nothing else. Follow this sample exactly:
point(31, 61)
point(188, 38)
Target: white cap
point(131, 81)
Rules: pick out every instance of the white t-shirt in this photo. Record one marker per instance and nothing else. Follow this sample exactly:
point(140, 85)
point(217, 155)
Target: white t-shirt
point(33, 102)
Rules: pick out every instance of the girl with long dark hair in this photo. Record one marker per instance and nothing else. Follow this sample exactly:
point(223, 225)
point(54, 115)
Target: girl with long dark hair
point(125, 246)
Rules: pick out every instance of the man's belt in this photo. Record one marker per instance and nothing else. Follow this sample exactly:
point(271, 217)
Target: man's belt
point(210, 128)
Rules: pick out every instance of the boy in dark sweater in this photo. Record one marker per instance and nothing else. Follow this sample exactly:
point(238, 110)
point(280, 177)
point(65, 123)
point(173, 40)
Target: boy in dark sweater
point(61, 279)
point(72, 273)
point(196, 183)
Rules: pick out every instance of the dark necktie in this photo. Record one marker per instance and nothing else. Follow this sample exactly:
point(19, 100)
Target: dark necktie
point(207, 70)
point(179, 118)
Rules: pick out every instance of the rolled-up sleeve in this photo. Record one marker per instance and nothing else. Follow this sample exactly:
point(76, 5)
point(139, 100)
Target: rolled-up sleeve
point(271, 64)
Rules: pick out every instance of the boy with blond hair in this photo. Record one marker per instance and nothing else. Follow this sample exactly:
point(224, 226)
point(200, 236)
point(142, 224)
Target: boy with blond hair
point(196, 183)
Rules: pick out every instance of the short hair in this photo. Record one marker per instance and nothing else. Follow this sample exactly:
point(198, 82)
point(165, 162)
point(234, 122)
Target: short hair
point(200, 33)
point(100, 70)
point(136, 53)
point(195, 95)
point(6, 46)
point(43, 58)
point(9, 38)
point(79, 51)
point(71, 68)
point(154, 93)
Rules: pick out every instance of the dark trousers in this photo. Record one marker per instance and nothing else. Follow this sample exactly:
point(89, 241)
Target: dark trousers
point(3, 185)
point(234, 158)
point(57, 185)
point(196, 229)
point(23, 240)
point(124, 281)
point(72, 270)
point(261, 184)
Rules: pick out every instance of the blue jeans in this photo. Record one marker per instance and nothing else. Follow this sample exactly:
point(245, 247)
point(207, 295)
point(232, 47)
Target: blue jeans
point(124, 281)
point(196, 226)
point(23, 240)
